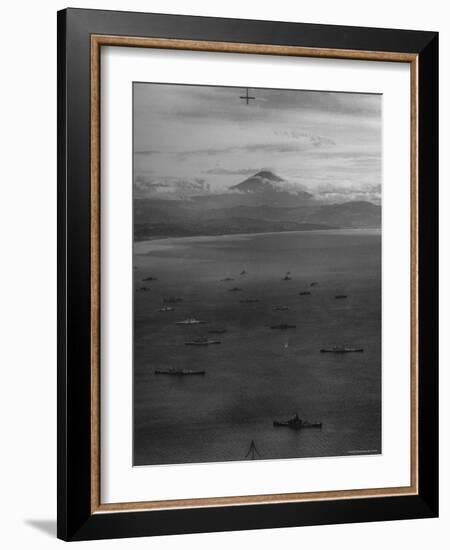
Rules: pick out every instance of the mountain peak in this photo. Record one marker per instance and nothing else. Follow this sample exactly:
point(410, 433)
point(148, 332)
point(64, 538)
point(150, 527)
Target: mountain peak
point(267, 182)
point(267, 174)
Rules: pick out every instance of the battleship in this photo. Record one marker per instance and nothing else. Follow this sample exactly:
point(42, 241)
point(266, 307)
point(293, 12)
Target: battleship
point(165, 309)
point(304, 293)
point(280, 308)
point(190, 321)
point(201, 342)
point(179, 372)
point(340, 349)
point(283, 326)
point(341, 296)
point(296, 423)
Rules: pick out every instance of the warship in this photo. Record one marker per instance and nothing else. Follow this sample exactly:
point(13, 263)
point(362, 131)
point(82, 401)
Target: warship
point(179, 372)
point(201, 342)
point(296, 423)
point(164, 309)
point(190, 321)
point(283, 326)
point(340, 349)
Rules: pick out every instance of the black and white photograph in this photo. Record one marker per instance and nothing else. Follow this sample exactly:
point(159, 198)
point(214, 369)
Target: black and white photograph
point(257, 273)
point(222, 255)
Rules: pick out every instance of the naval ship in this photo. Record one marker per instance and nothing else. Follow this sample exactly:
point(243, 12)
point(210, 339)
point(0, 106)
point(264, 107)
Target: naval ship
point(341, 349)
point(283, 326)
point(190, 321)
point(201, 342)
point(179, 372)
point(296, 423)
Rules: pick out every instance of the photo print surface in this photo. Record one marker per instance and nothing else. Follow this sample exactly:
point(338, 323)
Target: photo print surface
point(257, 274)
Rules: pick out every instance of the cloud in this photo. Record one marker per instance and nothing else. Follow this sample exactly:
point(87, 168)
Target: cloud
point(344, 193)
point(183, 133)
point(351, 155)
point(188, 102)
point(290, 146)
point(181, 187)
point(144, 184)
point(302, 137)
point(307, 142)
point(226, 172)
point(147, 153)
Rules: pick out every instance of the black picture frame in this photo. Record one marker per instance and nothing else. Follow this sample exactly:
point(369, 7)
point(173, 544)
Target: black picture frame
point(75, 518)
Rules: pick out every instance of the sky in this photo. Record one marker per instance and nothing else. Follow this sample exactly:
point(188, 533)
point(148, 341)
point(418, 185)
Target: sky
point(203, 139)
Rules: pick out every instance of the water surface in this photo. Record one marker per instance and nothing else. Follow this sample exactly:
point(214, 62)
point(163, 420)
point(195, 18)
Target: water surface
point(258, 374)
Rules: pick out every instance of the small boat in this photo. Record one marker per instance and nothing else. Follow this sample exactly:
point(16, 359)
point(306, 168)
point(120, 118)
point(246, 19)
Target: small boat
point(280, 308)
point(287, 276)
point(150, 279)
point(164, 309)
point(235, 289)
point(243, 272)
point(296, 423)
point(341, 349)
point(227, 279)
point(190, 321)
point(283, 326)
point(341, 296)
point(304, 293)
point(179, 372)
point(249, 301)
point(172, 300)
point(314, 284)
point(201, 342)
point(217, 331)
point(142, 289)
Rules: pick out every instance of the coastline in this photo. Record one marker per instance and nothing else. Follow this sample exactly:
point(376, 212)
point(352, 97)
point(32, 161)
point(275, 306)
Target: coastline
point(192, 238)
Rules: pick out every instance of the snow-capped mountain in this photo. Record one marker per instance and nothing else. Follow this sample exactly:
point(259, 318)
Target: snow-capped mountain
point(268, 182)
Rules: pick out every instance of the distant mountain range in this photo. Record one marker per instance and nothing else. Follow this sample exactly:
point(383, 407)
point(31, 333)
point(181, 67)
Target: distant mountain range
point(348, 214)
point(261, 203)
